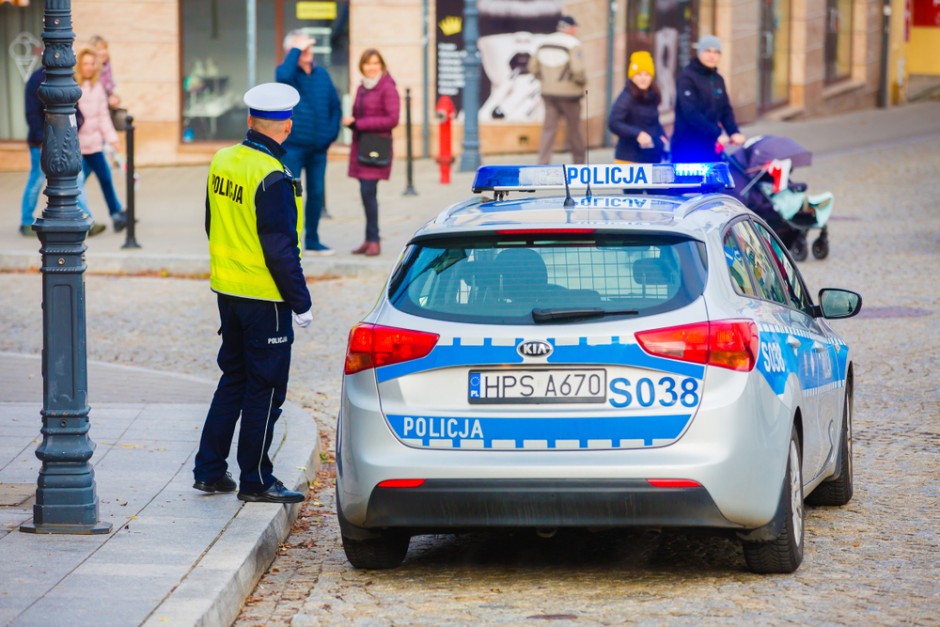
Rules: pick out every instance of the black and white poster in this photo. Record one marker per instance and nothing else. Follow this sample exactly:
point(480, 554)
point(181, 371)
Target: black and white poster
point(510, 31)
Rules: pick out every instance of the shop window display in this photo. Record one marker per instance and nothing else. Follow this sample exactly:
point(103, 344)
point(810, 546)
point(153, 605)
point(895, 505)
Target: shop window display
point(666, 29)
point(20, 55)
point(215, 57)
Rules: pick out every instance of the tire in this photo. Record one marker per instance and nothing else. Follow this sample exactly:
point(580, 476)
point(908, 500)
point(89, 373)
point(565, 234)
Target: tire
point(381, 553)
point(785, 553)
point(798, 248)
point(839, 491)
point(820, 248)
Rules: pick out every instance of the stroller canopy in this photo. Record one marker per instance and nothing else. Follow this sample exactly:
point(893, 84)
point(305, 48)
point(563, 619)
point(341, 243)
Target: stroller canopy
point(763, 148)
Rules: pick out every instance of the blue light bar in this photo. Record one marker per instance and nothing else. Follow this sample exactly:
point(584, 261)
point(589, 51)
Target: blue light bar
point(622, 176)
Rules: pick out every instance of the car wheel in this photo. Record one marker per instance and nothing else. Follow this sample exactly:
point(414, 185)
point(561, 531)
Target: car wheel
point(785, 553)
point(386, 551)
point(839, 491)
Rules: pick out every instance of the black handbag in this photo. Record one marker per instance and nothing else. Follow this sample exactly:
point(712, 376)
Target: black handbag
point(374, 150)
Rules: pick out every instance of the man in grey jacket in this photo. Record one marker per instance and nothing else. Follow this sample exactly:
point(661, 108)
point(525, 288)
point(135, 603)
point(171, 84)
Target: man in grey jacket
point(559, 65)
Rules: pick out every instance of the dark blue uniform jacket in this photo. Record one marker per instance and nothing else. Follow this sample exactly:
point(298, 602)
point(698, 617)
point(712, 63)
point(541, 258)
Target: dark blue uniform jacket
point(276, 214)
point(702, 111)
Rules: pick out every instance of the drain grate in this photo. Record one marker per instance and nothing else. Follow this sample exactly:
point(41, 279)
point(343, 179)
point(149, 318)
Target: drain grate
point(893, 312)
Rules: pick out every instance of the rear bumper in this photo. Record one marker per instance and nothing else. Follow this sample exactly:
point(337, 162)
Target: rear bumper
point(460, 504)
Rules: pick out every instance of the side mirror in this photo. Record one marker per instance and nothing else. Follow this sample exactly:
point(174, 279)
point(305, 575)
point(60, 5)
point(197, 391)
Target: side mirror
point(836, 303)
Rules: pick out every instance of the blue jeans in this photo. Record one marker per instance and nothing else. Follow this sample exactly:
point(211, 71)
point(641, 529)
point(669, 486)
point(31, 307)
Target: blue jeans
point(34, 184)
point(299, 158)
point(97, 162)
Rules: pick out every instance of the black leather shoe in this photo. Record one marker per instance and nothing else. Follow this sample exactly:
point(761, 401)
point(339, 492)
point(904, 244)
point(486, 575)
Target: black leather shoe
point(225, 484)
point(277, 493)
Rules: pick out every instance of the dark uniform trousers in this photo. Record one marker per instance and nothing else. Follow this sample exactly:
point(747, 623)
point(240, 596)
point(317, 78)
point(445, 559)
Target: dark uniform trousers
point(255, 362)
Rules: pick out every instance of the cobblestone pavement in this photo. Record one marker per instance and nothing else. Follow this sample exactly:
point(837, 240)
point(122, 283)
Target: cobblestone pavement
point(871, 562)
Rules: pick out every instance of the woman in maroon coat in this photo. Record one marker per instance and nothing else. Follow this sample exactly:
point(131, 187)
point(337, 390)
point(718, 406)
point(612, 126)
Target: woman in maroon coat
point(375, 110)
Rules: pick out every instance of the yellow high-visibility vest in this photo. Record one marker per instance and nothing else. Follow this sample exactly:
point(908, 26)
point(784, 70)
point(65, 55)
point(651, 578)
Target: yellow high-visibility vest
point(235, 255)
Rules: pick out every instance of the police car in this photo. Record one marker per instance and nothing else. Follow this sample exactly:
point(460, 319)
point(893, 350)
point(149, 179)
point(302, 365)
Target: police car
point(633, 349)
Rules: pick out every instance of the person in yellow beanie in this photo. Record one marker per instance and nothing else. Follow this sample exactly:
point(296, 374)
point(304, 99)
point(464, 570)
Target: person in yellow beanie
point(634, 118)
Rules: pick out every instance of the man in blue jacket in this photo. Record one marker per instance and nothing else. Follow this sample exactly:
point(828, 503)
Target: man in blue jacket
point(316, 126)
point(704, 117)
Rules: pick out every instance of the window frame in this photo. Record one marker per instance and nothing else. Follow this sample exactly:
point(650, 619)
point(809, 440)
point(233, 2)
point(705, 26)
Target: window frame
point(746, 223)
point(729, 233)
point(833, 38)
point(806, 306)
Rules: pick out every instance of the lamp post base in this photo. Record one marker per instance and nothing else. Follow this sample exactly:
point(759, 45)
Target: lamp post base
point(86, 530)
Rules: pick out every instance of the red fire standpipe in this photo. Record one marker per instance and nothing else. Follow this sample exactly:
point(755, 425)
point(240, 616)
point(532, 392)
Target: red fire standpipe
point(445, 152)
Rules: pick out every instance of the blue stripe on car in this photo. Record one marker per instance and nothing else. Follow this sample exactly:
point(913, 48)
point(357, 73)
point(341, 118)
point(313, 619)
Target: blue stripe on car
point(777, 360)
point(584, 430)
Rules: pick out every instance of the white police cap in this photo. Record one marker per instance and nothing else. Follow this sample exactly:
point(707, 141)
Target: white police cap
point(271, 101)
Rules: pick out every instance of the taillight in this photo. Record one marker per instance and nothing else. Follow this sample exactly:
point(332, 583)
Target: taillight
point(371, 346)
point(401, 483)
point(673, 483)
point(731, 344)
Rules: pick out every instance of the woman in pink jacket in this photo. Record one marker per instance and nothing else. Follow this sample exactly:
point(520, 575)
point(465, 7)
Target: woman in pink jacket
point(96, 131)
point(375, 110)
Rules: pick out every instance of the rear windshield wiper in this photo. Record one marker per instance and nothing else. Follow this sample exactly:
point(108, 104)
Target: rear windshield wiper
point(548, 315)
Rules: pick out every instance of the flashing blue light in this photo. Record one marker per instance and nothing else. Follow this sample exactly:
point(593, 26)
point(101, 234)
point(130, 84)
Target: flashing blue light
point(622, 176)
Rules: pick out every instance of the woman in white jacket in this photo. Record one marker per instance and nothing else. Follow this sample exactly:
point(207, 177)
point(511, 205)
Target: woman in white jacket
point(97, 131)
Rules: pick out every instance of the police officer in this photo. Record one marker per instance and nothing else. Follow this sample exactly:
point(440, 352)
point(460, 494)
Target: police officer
point(253, 223)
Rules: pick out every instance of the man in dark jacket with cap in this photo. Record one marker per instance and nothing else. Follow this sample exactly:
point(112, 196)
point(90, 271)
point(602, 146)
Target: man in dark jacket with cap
point(704, 117)
point(252, 207)
point(316, 126)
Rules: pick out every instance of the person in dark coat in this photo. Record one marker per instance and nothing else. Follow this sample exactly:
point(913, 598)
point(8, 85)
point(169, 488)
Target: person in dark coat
point(634, 118)
point(704, 117)
point(375, 110)
point(316, 126)
point(35, 121)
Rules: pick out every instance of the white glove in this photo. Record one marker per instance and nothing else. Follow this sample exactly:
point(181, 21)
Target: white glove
point(303, 320)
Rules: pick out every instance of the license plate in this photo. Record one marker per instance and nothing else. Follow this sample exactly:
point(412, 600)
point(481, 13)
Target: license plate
point(575, 385)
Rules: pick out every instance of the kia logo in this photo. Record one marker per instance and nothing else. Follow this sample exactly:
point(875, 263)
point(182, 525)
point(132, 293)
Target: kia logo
point(535, 348)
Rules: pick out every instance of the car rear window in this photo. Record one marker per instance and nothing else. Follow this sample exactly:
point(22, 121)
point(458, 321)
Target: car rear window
point(526, 279)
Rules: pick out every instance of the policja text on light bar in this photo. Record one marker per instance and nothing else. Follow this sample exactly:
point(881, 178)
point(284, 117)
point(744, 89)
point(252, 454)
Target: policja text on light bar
point(530, 178)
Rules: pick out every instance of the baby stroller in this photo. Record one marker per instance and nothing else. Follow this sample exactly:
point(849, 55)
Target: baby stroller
point(760, 170)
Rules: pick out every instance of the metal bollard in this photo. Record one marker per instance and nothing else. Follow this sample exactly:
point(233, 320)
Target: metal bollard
point(130, 241)
point(410, 187)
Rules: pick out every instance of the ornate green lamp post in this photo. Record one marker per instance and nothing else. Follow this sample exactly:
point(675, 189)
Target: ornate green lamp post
point(66, 501)
point(470, 148)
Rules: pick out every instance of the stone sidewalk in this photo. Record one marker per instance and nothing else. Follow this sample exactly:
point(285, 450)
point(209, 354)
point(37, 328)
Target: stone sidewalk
point(174, 555)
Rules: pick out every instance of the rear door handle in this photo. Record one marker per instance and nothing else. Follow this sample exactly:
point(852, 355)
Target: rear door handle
point(818, 347)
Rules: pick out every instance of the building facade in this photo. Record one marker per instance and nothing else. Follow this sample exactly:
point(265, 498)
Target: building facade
point(182, 66)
